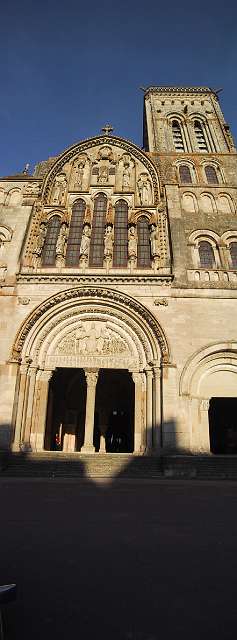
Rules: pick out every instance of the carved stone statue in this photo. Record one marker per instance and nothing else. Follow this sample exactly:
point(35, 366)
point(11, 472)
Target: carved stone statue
point(59, 190)
point(61, 241)
point(154, 240)
point(108, 242)
point(78, 175)
point(85, 241)
point(132, 243)
point(144, 190)
point(126, 178)
point(103, 174)
point(40, 239)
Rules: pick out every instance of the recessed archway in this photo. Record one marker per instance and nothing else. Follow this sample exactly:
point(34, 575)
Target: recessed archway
point(94, 330)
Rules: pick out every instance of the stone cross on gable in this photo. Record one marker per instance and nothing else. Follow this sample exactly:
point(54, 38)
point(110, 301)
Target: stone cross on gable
point(107, 129)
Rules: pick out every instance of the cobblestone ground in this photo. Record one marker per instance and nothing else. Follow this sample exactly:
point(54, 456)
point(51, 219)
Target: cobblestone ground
point(131, 560)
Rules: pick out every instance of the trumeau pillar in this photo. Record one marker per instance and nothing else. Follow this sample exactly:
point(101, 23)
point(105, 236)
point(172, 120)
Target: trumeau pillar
point(138, 414)
point(91, 380)
point(40, 408)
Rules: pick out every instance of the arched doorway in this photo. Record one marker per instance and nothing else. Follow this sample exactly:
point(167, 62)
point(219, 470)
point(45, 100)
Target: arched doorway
point(223, 425)
point(102, 334)
point(209, 386)
point(114, 411)
point(65, 423)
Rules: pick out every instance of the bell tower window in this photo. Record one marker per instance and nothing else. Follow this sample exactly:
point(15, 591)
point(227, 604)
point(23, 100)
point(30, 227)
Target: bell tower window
point(177, 136)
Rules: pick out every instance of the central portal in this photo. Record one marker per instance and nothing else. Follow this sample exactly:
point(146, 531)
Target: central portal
point(113, 430)
point(114, 411)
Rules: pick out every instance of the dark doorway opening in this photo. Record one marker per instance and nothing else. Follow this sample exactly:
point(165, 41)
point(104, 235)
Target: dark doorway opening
point(66, 411)
point(114, 411)
point(223, 425)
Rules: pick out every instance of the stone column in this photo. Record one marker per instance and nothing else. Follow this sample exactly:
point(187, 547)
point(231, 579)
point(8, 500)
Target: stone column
point(204, 439)
point(157, 433)
point(41, 408)
point(138, 414)
point(149, 410)
point(20, 407)
point(29, 406)
point(91, 380)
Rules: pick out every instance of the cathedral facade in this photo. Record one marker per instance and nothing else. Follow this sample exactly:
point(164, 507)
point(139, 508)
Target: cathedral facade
point(118, 287)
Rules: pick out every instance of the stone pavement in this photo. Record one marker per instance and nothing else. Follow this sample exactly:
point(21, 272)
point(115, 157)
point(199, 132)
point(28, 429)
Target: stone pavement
point(129, 559)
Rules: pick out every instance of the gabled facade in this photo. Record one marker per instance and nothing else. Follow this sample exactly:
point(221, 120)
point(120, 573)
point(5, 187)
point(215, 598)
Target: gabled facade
point(118, 289)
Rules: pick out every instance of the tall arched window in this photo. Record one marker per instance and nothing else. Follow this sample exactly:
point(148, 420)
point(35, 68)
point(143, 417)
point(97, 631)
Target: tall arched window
point(177, 136)
point(185, 174)
point(120, 256)
point(233, 254)
point(49, 250)
point(200, 136)
point(98, 231)
point(143, 243)
point(206, 255)
point(211, 175)
point(75, 233)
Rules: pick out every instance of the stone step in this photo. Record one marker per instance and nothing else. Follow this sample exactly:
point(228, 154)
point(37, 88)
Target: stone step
point(79, 465)
point(76, 465)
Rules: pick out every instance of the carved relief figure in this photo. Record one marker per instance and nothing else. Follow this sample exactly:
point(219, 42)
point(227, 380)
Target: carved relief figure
point(93, 339)
point(61, 241)
point(108, 243)
point(132, 242)
point(78, 175)
point(40, 240)
point(85, 241)
point(103, 174)
point(144, 190)
point(59, 189)
point(126, 178)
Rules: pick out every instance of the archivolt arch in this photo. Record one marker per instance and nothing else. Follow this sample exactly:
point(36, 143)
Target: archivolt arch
point(61, 313)
point(82, 147)
point(213, 358)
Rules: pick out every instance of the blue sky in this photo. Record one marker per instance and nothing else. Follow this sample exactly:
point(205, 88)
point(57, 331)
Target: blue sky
point(68, 67)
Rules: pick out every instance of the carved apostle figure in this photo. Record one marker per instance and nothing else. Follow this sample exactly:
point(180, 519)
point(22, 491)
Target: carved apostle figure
point(126, 178)
point(144, 189)
point(85, 241)
point(61, 241)
point(59, 190)
point(103, 174)
point(78, 175)
point(132, 242)
point(40, 239)
point(154, 240)
point(108, 241)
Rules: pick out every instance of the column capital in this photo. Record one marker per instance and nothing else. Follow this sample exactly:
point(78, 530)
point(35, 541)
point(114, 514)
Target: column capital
point(91, 377)
point(45, 374)
point(136, 376)
point(148, 372)
point(204, 404)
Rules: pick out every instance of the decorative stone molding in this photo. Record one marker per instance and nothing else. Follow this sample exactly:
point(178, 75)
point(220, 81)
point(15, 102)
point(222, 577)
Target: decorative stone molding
point(23, 301)
point(161, 302)
point(101, 141)
point(90, 278)
point(118, 301)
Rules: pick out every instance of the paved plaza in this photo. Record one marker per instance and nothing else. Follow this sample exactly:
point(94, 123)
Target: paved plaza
point(130, 560)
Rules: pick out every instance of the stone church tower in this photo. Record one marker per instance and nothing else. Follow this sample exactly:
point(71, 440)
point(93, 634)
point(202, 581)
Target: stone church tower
point(118, 282)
